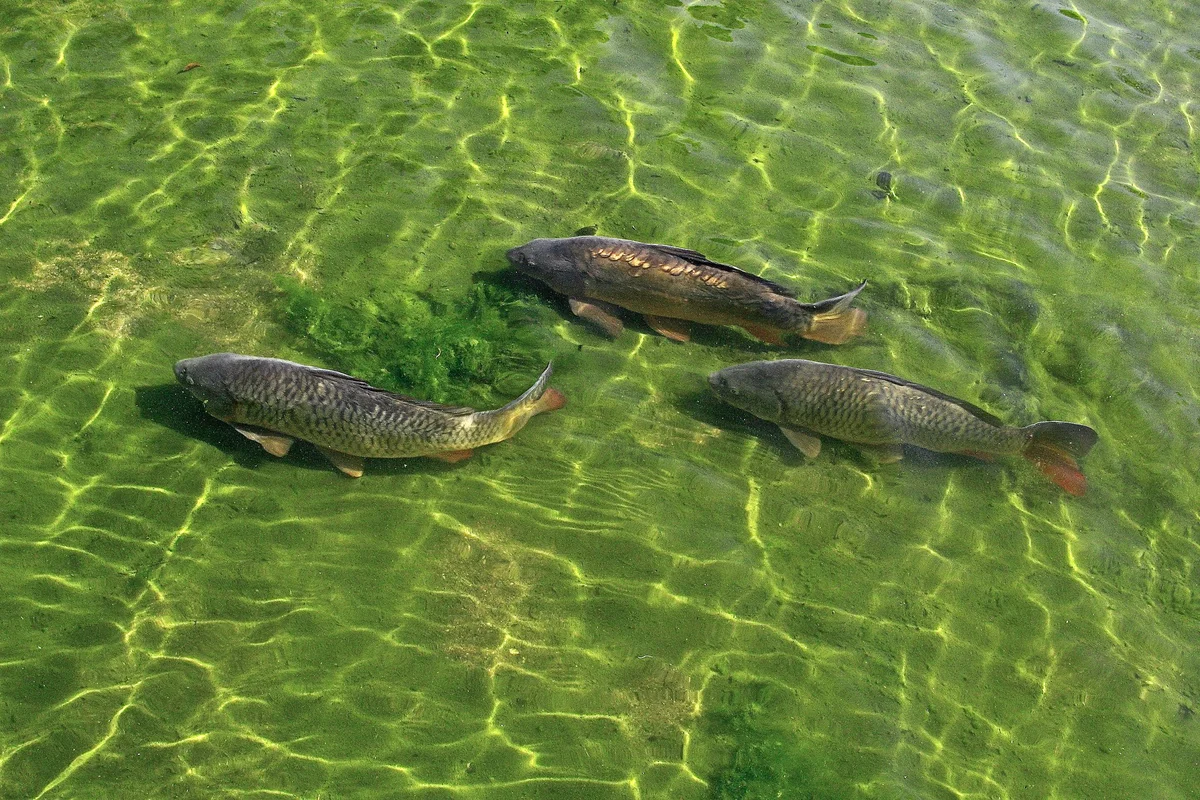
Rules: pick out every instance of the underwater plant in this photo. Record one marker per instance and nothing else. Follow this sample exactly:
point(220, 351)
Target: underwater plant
point(406, 342)
point(765, 762)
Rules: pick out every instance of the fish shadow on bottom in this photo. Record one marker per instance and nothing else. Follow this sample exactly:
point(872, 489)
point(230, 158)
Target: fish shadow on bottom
point(172, 406)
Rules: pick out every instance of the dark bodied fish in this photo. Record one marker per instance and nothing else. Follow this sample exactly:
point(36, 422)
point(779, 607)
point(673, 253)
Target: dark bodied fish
point(880, 412)
point(670, 286)
point(275, 402)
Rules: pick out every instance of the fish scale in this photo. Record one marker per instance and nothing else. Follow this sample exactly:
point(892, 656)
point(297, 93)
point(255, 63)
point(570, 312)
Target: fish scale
point(348, 417)
point(880, 412)
point(848, 405)
point(274, 402)
point(672, 286)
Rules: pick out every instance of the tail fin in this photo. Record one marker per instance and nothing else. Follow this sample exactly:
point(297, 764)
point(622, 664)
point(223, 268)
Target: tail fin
point(1054, 447)
point(833, 321)
point(537, 398)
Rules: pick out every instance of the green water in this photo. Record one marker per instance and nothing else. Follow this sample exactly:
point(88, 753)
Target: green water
point(646, 594)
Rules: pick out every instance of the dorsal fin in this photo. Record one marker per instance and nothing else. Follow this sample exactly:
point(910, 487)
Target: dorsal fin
point(454, 411)
point(974, 410)
point(698, 258)
point(361, 385)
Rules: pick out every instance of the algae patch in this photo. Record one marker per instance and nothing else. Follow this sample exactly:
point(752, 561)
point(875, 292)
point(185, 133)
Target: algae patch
point(765, 759)
point(408, 342)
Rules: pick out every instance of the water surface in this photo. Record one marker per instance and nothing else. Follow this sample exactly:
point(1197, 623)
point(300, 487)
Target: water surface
point(644, 594)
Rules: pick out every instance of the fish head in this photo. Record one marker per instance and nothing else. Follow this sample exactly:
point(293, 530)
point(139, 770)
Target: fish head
point(745, 387)
point(207, 378)
point(552, 261)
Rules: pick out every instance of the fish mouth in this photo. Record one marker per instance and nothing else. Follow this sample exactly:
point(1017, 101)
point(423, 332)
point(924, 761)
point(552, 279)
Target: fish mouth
point(720, 386)
point(517, 257)
point(181, 374)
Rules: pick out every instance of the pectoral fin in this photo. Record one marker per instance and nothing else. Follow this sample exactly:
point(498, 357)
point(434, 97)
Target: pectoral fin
point(805, 442)
point(351, 465)
point(676, 330)
point(883, 453)
point(274, 443)
point(599, 314)
point(452, 456)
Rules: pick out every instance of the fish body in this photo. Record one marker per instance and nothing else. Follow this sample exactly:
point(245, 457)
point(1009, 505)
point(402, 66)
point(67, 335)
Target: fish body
point(275, 402)
point(881, 412)
point(671, 286)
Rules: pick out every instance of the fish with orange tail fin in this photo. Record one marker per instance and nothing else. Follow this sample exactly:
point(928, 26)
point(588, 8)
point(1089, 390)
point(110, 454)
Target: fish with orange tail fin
point(671, 287)
point(879, 413)
point(274, 402)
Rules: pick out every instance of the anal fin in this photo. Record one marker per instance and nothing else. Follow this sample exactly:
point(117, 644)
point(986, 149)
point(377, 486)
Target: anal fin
point(765, 334)
point(452, 456)
point(676, 330)
point(349, 464)
point(274, 443)
point(599, 314)
point(804, 441)
point(1059, 466)
point(883, 453)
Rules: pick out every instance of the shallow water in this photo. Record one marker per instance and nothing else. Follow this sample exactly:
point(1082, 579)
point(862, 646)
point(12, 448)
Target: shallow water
point(645, 594)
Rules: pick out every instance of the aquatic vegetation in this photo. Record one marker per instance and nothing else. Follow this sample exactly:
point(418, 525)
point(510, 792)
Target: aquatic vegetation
point(644, 596)
point(764, 764)
point(409, 343)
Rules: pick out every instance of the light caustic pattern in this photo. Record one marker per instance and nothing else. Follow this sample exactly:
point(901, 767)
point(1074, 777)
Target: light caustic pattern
point(644, 594)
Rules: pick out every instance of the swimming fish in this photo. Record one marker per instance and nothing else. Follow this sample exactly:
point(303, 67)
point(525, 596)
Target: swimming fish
point(880, 412)
point(274, 402)
point(670, 286)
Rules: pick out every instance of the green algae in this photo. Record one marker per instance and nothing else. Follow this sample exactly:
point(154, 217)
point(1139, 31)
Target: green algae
point(764, 764)
point(190, 617)
point(421, 346)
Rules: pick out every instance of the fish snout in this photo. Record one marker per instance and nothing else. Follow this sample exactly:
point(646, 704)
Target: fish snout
point(518, 257)
point(721, 386)
point(181, 373)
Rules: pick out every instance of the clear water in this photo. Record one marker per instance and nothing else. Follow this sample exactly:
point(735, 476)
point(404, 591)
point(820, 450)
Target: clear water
point(644, 594)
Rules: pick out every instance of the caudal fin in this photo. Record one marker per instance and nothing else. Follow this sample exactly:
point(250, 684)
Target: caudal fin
point(833, 321)
point(1054, 447)
point(537, 398)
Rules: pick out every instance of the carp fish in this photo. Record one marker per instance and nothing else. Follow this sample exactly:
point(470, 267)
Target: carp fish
point(274, 402)
point(670, 286)
point(879, 413)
